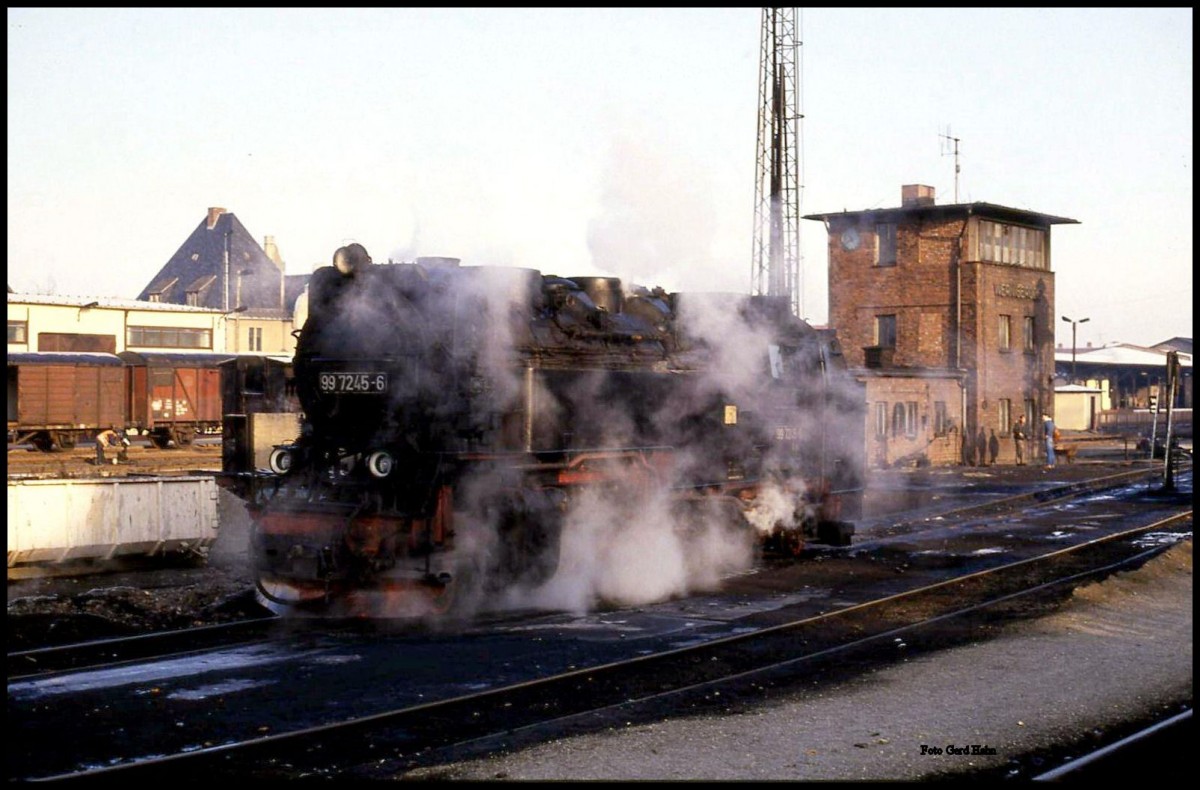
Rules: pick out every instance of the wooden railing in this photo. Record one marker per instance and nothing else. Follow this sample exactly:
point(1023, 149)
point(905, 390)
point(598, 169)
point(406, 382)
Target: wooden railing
point(1141, 422)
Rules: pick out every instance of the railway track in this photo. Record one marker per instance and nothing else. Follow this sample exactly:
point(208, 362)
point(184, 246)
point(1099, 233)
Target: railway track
point(1129, 757)
point(547, 685)
point(143, 459)
point(27, 664)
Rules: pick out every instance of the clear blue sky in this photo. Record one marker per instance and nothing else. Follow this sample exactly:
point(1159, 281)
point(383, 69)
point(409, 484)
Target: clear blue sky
point(601, 141)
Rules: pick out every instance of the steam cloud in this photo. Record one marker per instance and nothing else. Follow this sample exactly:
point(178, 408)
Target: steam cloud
point(616, 548)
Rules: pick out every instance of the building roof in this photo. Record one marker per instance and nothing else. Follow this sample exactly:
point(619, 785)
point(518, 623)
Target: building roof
point(222, 249)
point(1183, 344)
point(1120, 354)
point(293, 286)
point(90, 358)
point(985, 210)
point(1076, 388)
point(105, 301)
point(152, 359)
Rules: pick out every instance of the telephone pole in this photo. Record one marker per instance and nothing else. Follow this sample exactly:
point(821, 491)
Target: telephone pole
point(775, 262)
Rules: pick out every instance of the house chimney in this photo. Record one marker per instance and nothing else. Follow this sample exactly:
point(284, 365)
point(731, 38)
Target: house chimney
point(272, 251)
point(916, 195)
point(214, 213)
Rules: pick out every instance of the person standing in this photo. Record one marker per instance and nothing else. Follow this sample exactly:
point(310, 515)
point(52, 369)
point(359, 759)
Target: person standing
point(1048, 429)
point(993, 448)
point(1018, 432)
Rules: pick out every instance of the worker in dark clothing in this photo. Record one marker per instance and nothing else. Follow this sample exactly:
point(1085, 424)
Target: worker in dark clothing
point(112, 438)
point(1019, 436)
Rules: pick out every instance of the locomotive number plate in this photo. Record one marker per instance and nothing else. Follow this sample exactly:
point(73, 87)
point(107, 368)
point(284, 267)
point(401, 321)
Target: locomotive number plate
point(370, 383)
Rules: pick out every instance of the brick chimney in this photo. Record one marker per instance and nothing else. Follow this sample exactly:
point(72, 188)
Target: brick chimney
point(214, 213)
point(916, 195)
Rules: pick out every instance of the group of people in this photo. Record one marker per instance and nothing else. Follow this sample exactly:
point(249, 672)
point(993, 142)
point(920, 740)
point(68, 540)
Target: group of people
point(1020, 434)
point(985, 449)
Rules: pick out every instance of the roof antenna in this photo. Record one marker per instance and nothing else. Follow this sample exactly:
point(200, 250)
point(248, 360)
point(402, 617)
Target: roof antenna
point(944, 150)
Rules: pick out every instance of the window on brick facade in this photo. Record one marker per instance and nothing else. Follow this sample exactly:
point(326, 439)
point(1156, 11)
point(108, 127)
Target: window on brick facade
point(885, 331)
point(1005, 332)
point(910, 427)
point(1029, 338)
point(885, 244)
point(1030, 414)
point(1005, 406)
point(941, 418)
point(899, 420)
point(881, 419)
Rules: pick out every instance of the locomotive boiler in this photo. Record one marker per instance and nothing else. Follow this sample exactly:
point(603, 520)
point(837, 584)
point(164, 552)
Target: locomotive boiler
point(459, 422)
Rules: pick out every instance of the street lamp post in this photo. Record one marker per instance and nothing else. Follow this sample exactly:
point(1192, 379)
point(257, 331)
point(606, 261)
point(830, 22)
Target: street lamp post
point(1074, 324)
point(225, 316)
point(240, 308)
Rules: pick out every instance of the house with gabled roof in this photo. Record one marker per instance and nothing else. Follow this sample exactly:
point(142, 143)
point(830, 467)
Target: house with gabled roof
point(220, 266)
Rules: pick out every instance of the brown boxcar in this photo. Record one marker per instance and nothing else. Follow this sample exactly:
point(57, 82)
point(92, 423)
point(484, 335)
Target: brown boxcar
point(174, 396)
point(57, 398)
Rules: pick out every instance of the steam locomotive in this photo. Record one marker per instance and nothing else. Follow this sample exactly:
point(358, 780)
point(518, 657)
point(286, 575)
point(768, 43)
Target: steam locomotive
point(459, 424)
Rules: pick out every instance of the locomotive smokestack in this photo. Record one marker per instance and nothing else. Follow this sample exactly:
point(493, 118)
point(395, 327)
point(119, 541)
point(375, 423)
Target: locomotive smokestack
point(351, 258)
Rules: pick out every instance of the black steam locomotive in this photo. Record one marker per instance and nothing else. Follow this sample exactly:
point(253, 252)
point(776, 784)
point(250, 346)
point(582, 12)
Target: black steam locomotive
point(459, 422)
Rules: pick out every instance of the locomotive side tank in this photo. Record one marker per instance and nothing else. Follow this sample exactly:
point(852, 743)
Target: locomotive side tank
point(458, 423)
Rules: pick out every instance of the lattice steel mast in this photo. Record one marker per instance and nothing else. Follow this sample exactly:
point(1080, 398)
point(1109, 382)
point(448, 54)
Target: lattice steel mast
point(775, 262)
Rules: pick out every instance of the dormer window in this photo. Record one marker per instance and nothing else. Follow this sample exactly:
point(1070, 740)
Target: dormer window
point(163, 292)
point(197, 290)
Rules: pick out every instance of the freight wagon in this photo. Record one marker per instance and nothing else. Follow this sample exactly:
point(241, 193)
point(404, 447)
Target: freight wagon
point(56, 398)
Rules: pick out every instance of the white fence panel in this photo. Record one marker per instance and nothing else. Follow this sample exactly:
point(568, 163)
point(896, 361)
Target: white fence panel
point(58, 520)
